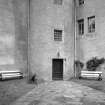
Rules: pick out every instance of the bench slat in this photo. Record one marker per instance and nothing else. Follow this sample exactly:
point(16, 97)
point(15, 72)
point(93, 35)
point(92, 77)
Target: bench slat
point(90, 76)
point(94, 72)
point(10, 74)
point(9, 71)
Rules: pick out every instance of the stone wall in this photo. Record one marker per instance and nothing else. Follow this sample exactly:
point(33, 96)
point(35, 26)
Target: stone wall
point(45, 16)
point(91, 44)
point(13, 34)
point(20, 11)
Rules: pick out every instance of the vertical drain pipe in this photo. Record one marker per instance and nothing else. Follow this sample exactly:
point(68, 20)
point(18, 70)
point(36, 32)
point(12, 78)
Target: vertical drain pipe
point(74, 37)
point(28, 46)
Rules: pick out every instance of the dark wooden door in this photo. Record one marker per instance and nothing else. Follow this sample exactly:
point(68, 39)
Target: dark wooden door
point(57, 69)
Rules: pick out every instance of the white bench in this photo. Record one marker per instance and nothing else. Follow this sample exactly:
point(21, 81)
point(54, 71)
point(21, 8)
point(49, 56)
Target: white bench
point(91, 74)
point(10, 74)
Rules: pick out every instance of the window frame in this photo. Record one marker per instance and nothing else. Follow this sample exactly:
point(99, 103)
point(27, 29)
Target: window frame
point(58, 2)
point(81, 26)
point(91, 24)
point(58, 33)
point(81, 2)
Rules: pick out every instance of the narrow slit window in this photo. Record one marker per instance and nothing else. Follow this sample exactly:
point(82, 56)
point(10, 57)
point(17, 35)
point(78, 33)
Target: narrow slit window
point(57, 35)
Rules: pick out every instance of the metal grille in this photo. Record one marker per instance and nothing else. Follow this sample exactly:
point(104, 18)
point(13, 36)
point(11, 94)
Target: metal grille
point(57, 73)
point(57, 35)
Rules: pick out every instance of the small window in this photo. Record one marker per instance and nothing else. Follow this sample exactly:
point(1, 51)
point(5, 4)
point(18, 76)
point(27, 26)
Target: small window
point(91, 24)
point(57, 35)
point(81, 2)
point(58, 2)
point(81, 26)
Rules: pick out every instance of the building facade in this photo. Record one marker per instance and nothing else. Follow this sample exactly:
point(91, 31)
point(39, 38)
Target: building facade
point(91, 41)
point(45, 37)
point(51, 40)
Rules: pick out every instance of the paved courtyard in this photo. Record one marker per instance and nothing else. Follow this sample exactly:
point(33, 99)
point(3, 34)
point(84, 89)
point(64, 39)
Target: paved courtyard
point(62, 93)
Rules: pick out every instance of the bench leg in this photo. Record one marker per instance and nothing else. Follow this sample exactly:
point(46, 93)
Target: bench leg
point(99, 79)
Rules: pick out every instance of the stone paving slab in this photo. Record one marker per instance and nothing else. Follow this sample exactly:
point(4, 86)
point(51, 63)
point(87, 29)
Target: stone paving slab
point(62, 93)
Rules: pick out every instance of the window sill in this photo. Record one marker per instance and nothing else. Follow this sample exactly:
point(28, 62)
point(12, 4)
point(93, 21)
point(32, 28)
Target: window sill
point(88, 35)
point(79, 36)
point(93, 34)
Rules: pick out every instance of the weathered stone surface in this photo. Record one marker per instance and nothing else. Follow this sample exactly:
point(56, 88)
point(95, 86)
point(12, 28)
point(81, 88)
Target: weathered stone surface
point(45, 16)
point(13, 34)
point(62, 93)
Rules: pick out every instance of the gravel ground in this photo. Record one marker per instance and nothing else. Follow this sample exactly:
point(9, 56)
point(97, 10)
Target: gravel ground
point(10, 90)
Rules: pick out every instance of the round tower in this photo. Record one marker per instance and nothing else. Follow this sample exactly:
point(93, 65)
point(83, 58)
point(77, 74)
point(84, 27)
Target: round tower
point(51, 39)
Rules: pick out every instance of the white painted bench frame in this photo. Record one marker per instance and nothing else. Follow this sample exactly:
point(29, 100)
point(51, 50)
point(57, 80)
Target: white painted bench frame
point(10, 74)
point(91, 74)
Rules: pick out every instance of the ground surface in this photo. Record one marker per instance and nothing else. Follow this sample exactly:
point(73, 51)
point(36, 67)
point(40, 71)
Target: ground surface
point(12, 89)
point(98, 85)
point(62, 93)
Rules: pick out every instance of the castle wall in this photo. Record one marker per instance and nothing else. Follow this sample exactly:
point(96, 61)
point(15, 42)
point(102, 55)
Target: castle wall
point(13, 34)
point(45, 16)
point(20, 12)
point(35, 52)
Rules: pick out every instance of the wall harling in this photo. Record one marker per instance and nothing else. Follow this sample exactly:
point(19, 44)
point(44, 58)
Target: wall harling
point(45, 16)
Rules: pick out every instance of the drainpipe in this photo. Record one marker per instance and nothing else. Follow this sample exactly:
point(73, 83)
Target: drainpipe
point(74, 36)
point(28, 46)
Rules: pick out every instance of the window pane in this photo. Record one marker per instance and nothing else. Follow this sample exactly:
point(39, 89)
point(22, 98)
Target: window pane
point(91, 24)
point(81, 26)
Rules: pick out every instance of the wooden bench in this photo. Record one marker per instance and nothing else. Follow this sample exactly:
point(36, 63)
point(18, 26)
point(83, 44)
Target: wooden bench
point(91, 75)
point(10, 74)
